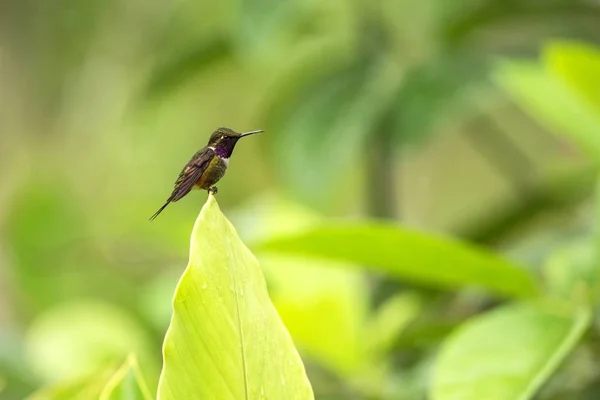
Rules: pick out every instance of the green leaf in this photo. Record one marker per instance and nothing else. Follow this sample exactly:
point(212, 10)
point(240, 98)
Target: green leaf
point(506, 354)
point(326, 305)
point(571, 269)
point(127, 383)
point(179, 70)
point(409, 255)
point(430, 92)
point(577, 65)
point(392, 318)
point(225, 339)
point(325, 308)
point(324, 125)
point(553, 103)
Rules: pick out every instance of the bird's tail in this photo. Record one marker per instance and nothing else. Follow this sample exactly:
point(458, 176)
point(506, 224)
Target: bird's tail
point(169, 200)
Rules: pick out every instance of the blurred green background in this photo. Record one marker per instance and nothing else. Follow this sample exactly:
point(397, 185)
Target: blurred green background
point(433, 114)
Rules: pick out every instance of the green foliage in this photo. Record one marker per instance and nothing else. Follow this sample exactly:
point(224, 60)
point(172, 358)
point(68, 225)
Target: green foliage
point(226, 339)
point(481, 360)
point(561, 93)
point(431, 92)
point(572, 269)
point(127, 383)
point(577, 65)
point(408, 254)
point(326, 125)
point(326, 305)
point(79, 338)
point(342, 87)
point(123, 383)
point(325, 308)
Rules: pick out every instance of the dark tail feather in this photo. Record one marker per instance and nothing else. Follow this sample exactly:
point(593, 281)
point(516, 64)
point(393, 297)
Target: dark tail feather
point(160, 209)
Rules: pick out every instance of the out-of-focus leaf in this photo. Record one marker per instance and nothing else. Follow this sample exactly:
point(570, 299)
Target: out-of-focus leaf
point(177, 71)
point(506, 354)
point(324, 306)
point(467, 22)
point(127, 383)
point(226, 339)
point(578, 65)
point(430, 92)
point(270, 215)
point(83, 388)
point(40, 210)
point(321, 130)
point(571, 268)
point(123, 383)
point(553, 103)
point(154, 302)
point(408, 254)
point(16, 378)
point(391, 319)
point(264, 26)
point(79, 338)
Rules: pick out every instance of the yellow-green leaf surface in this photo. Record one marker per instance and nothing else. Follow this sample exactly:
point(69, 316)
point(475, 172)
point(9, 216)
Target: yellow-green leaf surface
point(577, 64)
point(225, 340)
point(407, 254)
point(506, 354)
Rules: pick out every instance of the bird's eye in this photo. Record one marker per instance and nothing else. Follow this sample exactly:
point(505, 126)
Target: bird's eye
point(222, 137)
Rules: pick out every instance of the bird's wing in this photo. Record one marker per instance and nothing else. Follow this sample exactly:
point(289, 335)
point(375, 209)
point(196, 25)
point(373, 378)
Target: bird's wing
point(188, 177)
point(192, 172)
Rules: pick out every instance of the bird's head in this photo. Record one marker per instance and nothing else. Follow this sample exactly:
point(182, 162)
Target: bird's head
point(223, 140)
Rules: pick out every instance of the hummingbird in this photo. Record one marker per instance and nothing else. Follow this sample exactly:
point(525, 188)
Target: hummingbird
point(207, 166)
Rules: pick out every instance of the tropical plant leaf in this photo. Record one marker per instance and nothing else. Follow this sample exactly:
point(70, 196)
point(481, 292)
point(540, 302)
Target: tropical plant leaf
point(506, 354)
point(430, 92)
point(577, 65)
point(225, 339)
point(323, 127)
point(409, 255)
point(325, 308)
point(552, 102)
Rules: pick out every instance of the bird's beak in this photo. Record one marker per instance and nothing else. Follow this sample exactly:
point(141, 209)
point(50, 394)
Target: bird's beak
point(251, 133)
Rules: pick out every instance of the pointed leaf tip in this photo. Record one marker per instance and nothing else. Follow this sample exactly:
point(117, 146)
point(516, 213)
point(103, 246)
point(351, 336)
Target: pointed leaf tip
point(226, 339)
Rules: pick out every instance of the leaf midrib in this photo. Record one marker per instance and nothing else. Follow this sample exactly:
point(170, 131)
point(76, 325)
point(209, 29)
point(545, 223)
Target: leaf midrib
point(240, 330)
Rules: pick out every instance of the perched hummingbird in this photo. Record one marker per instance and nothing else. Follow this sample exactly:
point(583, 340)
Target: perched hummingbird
point(207, 166)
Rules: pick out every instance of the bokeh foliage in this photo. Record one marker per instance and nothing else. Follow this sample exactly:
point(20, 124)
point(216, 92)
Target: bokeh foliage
point(439, 115)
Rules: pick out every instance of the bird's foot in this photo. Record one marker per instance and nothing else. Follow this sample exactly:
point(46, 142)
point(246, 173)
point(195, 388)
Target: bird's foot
point(213, 190)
